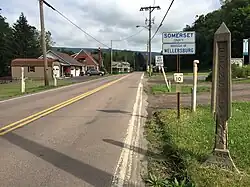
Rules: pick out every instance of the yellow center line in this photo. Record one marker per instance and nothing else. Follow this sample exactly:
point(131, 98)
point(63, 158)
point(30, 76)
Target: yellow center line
point(54, 108)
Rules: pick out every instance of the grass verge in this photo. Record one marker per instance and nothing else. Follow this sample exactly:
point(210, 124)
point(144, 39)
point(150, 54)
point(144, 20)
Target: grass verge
point(14, 88)
point(185, 89)
point(238, 81)
point(185, 144)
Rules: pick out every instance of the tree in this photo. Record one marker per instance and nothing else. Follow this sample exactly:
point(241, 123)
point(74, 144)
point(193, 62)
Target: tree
point(236, 15)
point(48, 39)
point(24, 39)
point(5, 53)
point(63, 50)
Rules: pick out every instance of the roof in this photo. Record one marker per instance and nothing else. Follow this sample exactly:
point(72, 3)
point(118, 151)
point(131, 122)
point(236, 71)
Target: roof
point(66, 58)
point(24, 62)
point(83, 53)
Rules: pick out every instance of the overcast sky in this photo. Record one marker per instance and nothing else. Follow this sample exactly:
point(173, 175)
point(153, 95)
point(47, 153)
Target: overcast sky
point(107, 19)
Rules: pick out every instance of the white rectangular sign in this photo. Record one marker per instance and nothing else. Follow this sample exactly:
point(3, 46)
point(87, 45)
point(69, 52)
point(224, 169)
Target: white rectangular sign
point(159, 60)
point(178, 37)
point(178, 77)
point(181, 49)
point(245, 47)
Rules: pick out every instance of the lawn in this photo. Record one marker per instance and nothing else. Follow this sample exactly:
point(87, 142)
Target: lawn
point(185, 89)
point(238, 81)
point(184, 145)
point(14, 88)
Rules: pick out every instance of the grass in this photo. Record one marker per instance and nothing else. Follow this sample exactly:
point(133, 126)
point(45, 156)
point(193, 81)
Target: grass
point(238, 81)
point(185, 144)
point(185, 89)
point(158, 75)
point(14, 88)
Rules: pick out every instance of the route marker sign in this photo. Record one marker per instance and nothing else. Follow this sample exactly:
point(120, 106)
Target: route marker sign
point(159, 61)
point(178, 77)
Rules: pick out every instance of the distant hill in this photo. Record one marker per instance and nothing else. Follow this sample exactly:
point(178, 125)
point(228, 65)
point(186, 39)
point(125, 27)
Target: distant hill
point(76, 49)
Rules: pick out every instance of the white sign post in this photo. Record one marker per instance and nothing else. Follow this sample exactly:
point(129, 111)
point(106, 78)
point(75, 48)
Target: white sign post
point(195, 69)
point(160, 63)
point(22, 80)
point(54, 77)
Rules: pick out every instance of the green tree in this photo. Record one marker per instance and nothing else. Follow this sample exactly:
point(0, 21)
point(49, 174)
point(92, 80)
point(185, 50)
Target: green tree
point(5, 52)
point(236, 15)
point(48, 39)
point(25, 43)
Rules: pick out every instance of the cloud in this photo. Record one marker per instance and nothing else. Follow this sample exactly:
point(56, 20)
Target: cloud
point(107, 20)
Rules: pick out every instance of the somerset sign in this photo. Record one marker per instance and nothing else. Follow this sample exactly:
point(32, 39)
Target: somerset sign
point(178, 43)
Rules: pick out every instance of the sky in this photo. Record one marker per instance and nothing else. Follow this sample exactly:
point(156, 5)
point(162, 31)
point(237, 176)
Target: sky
point(108, 20)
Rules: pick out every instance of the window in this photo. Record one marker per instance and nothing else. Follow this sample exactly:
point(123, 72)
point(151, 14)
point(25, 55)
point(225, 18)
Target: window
point(31, 68)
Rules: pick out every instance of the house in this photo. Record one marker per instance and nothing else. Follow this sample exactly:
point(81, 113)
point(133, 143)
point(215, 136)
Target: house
point(33, 68)
point(86, 59)
point(69, 66)
point(120, 67)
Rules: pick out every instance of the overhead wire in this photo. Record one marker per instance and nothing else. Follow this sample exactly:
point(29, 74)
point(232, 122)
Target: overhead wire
point(163, 19)
point(65, 17)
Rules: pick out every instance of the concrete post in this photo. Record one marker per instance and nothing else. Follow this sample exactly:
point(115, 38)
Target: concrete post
point(195, 69)
point(22, 80)
point(54, 77)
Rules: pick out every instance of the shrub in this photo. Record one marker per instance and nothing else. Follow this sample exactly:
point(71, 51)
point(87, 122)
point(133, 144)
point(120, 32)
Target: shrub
point(237, 72)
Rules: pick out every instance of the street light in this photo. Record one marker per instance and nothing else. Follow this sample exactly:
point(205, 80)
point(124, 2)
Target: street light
point(137, 26)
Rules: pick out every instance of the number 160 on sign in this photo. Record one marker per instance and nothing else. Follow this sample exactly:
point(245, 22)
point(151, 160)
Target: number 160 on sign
point(178, 77)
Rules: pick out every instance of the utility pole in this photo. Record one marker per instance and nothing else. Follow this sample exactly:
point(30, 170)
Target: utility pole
point(46, 75)
point(150, 9)
point(111, 57)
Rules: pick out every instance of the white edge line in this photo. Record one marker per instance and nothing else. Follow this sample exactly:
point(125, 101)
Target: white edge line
point(121, 168)
point(52, 89)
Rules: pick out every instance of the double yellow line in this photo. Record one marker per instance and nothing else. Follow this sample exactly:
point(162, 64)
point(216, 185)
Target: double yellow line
point(54, 108)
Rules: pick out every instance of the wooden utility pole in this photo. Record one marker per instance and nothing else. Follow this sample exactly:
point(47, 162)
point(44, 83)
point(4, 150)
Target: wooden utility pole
point(111, 57)
point(150, 9)
point(43, 42)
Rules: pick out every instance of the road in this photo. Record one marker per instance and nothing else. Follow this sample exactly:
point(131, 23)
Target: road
point(92, 140)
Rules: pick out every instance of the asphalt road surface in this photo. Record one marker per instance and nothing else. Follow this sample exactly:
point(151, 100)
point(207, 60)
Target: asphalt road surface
point(91, 140)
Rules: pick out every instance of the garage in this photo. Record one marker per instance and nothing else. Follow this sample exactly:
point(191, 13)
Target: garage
point(78, 71)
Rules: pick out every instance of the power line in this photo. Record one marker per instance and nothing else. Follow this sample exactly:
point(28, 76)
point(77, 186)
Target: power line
point(130, 36)
point(50, 6)
point(163, 19)
point(53, 8)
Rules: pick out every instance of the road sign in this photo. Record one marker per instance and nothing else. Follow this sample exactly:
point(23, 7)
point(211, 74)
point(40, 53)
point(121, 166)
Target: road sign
point(159, 60)
point(245, 47)
point(178, 77)
point(178, 48)
point(178, 37)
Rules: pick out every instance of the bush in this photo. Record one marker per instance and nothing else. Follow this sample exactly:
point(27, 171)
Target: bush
point(237, 72)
